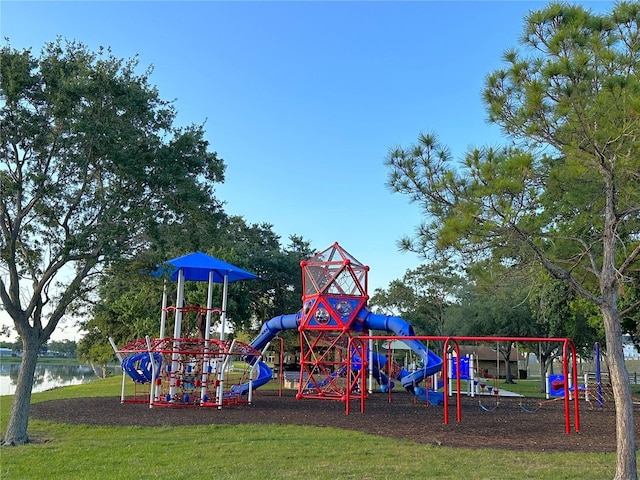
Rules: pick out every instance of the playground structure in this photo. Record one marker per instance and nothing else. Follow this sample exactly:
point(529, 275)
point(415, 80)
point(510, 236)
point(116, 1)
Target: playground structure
point(335, 311)
point(189, 368)
point(337, 355)
point(189, 371)
point(451, 344)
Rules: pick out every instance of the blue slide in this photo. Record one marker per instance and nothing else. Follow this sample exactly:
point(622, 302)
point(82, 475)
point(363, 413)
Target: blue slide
point(264, 375)
point(138, 366)
point(368, 320)
point(398, 326)
point(269, 330)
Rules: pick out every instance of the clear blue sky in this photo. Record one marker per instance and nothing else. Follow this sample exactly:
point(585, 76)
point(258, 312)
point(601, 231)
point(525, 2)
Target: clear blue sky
point(304, 99)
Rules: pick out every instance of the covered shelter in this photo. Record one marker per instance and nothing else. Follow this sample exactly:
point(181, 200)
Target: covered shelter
point(199, 267)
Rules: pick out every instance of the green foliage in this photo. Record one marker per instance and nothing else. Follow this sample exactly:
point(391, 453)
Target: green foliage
point(550, 205)
point(257, 249)
point(493, 303)
point(64, 347)
point(555, 207)
point(422, 297)
point(561, 313)
point(94, 167)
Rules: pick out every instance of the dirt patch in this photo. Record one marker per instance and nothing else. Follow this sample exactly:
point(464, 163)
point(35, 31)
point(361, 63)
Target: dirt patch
point(502, 423)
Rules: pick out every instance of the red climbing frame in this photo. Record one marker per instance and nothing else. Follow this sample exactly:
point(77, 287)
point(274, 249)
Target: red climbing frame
point(334, 287)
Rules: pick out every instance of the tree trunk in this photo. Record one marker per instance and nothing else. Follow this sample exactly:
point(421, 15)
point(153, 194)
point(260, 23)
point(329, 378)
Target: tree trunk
point(16, 433)
point(546, 364)
point(99, 371)
point(626, 468)
point(506, 354)
point(543, 372)
point(509, 374)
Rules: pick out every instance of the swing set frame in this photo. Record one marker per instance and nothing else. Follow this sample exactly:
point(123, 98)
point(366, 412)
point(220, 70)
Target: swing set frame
point(569, 368)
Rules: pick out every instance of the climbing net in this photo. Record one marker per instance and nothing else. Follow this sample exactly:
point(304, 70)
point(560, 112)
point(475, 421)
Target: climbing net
point(187, 371)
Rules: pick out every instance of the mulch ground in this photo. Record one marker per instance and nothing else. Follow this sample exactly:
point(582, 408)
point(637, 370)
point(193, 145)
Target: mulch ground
point(487, 422)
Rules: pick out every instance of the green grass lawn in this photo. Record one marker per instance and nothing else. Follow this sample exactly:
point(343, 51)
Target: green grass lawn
point(248, 452)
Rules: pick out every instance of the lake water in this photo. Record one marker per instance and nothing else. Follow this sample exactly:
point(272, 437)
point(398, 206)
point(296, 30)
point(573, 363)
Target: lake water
point(48, 376)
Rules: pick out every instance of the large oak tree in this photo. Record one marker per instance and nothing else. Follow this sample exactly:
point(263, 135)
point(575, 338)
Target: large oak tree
point(92, 166)
point(566, 193)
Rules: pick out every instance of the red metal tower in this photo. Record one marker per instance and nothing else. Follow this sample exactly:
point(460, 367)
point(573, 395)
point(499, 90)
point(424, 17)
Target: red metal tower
point(335, 291)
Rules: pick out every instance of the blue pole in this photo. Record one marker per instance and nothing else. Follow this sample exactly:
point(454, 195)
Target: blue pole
point(598, 376)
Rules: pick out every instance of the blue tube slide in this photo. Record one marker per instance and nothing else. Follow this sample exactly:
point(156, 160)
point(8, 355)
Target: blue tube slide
point(369, 320)
point(398, 326)
point(264, 375)
point(379, 366)
point(269, 330)
point(138, 366)
point(274, 326)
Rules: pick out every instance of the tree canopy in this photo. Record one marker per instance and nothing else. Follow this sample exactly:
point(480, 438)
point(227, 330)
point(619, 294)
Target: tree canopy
point(565, 193)
point(422, 297)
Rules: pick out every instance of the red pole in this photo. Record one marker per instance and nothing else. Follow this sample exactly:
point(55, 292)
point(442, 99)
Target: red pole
point(347, 394)
point(445, 368)
point(574, 381)
point(565, 371)
point(574, 365)
point(364, 361)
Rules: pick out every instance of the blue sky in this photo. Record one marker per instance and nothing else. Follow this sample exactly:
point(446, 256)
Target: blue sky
point(304, 99)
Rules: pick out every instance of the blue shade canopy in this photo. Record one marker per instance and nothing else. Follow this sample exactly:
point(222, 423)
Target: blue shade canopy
point(196, 267)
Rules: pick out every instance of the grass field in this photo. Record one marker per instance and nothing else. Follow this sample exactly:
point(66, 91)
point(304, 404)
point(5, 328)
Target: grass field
point(249, 452)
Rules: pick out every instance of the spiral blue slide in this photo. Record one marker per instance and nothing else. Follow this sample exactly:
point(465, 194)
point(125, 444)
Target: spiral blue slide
point(139, 366)
point(367, 321)
point(399, 327)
